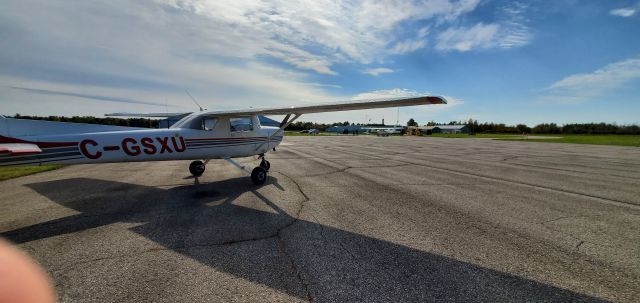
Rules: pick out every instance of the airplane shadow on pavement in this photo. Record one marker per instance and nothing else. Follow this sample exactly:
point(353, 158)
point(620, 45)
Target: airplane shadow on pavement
point(336, 265)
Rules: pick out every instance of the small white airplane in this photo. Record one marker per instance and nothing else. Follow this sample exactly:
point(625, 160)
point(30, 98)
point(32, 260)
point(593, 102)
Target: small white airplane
point(199, 136)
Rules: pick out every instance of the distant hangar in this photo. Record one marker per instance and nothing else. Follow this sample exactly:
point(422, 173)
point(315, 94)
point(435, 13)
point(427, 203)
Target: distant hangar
point(444, 129)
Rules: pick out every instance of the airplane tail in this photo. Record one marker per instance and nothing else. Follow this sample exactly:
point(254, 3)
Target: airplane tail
point(4, 128)
point(24, 128)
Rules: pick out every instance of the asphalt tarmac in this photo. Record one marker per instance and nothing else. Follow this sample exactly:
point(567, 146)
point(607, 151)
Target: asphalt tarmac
point(342, 219)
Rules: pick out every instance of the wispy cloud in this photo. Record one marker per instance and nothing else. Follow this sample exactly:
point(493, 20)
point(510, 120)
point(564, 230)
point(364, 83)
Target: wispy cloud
point(516, 31)
point(85, 96)
point(423, 32)
point(623, 12)
point(233, 52)
point(388, 93)
point(510, 32)
point(227, 53)
point(314, 35)
point(581, 87)
point(465, 39)
point(626, 11)
point(377, 71)
point(408, 46)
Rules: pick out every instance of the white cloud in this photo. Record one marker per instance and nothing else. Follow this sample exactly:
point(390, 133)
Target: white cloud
point(411, 45)
point(387, 93)
point(336, 31)
point(626, 11)
point(407, 46)
point(581, 87)
point(623, 12)
point(377, 71)
point(227, 53)
point(512, 31)
point(423, 32)
point(465, 39)
point(515, 32)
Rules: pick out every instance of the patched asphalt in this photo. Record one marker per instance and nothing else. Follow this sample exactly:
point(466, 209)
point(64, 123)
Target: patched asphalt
point(342, 219)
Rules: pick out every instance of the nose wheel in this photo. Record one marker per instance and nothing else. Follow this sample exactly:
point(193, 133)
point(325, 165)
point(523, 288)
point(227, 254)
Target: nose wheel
point(196, 168)
point(265, 164)
point(260, 173)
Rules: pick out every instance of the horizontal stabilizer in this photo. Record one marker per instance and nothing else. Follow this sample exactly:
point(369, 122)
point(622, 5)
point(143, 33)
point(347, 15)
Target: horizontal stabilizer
point(147, 115)
point(14, 149)
point(24, 128)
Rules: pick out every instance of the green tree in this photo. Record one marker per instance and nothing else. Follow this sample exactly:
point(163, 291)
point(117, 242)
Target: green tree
point(412, 122)
point(523, 128)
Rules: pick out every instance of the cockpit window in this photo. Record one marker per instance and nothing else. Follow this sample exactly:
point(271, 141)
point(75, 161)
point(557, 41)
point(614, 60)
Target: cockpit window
point(241, 124)
point(209, 123)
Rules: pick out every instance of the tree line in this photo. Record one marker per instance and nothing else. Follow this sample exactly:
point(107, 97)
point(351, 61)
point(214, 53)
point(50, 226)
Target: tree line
point(491, 127)
point(549, 128)
point(132, 122)
point(473, 125)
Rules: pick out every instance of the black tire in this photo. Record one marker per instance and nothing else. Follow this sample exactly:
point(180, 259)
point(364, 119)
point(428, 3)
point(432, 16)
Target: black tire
point(265, 164)
point(197, 168)
point(259, 175)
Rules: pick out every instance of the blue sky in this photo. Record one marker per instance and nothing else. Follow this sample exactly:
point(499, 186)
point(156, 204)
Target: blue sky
point(502, 61)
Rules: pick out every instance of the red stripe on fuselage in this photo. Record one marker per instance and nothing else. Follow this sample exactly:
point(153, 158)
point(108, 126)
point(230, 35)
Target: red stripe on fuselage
point(227, 138)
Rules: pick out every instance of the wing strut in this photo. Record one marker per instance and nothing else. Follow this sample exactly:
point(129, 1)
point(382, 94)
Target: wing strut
point(285, 122)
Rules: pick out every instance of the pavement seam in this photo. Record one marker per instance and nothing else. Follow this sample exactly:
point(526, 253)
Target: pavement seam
point(283, 246)
point(497, 228)
point(597, 198)
point(504, 162)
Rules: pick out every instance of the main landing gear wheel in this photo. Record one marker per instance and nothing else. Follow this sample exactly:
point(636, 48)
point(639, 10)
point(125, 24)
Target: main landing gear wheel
point(197, 168)
point(265, 164)
point(259, 175)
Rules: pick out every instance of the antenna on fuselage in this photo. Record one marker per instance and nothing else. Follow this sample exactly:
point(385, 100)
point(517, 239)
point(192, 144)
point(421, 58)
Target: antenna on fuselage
point(194, 100)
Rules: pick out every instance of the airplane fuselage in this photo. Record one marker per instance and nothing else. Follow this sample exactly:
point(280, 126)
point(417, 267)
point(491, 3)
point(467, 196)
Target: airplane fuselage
point(147, 145)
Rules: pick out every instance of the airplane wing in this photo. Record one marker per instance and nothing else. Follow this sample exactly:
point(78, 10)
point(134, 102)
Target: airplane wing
point(333, 107)
point(13, 149)
point(147, 115)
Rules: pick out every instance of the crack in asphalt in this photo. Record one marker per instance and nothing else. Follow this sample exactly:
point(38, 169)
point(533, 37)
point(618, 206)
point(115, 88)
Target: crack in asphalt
point(282, 243)
point(282, 246)
point(509, 164)
point(611, 201)
point(494, 226)
point(569, 217)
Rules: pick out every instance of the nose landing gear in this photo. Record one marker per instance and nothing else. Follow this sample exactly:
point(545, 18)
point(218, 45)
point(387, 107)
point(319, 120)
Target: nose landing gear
point(259, 174)
point(265, 164)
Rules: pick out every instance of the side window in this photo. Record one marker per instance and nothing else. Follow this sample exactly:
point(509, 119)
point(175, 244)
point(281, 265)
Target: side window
point(209, 123)
point(240, 124)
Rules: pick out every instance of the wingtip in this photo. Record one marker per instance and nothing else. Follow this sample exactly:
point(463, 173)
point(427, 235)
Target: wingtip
point(437, 100)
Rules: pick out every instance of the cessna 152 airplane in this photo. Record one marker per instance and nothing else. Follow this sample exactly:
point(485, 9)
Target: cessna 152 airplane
point(199, 136)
